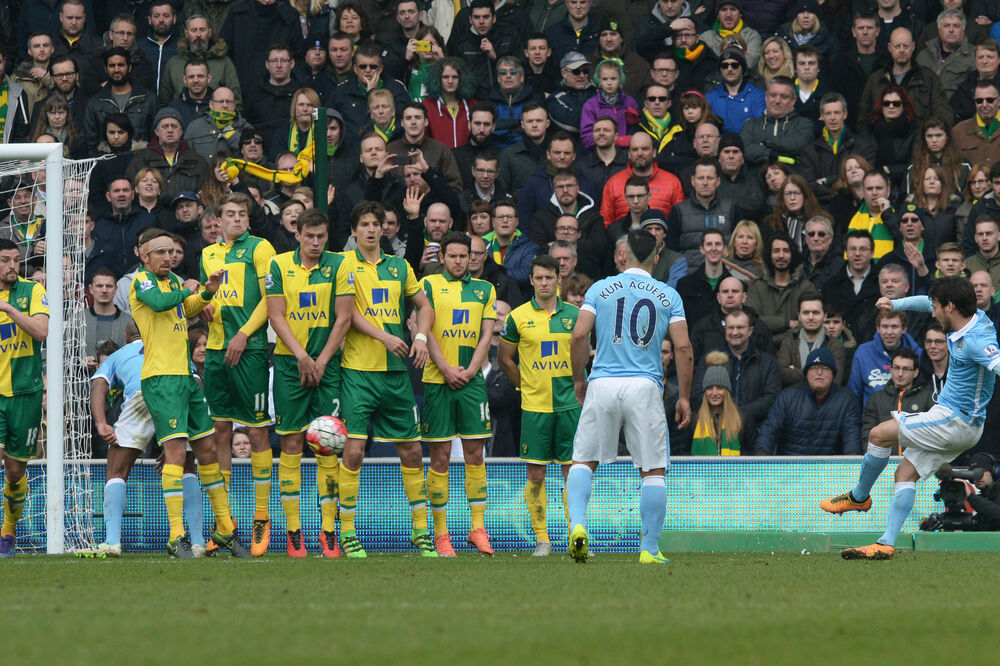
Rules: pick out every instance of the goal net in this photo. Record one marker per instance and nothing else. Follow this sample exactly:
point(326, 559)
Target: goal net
point(43, 202)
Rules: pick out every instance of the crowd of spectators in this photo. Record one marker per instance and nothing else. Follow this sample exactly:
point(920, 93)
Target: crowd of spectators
point(796, 159)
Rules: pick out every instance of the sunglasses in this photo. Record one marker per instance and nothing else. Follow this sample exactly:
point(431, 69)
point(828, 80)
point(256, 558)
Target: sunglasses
point(368, 66)
point(729, 65)
point(582, 71)
point(259, 142)
point(910, 220)
point(656, 98)
point(892, 102)
point(985, 100)
point(816, 234)
point(508, 72)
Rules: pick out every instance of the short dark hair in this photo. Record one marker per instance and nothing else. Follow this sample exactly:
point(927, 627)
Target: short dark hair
point(482, 4)
point(545, 261)
point(455, 237)
point(368, 51)
point(117, 51)
point(637, 181)
point(986, 218)
point(105, 271)
point(831, 309)
point(311, 218)
point(711, 232)
point(955, 290)
point(367, 208)
point(147, 235)
point(560, 135)
point(416, 106)
point(861, 233)
point(810, 295)
point(483, 107)
point(106, 348)
point(905, 352)
point(7, 244)
point(506, 202)
point(533, 106)
point(707, 161)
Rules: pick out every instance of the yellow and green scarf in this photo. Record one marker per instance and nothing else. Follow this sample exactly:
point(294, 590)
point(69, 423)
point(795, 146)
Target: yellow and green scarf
point(690, 55)
point(876, 227)
point(834, 142)
point(386, 133)
point(989, 130)
point(293, 137)
point(722, 32)
point(704, 444)
point(658, 128)
point(3, 106)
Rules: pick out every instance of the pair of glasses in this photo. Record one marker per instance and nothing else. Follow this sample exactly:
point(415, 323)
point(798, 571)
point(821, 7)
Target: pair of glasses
point(729, 65)
point(892, 102)
point(657, 98)
point(583, 71)
point(247, 142)
point(359, 66)
point(508, 72)
point(910, 220)
point(816, 234)
point(985, 100)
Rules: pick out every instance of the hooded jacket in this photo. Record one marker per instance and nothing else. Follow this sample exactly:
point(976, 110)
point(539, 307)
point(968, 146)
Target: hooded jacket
point(592, 246)
point(778, 305)
point(625, 113)
point(451, 131)
point(870, 368)
point(767, 138)
point(220, 66)
point(16, 127)
point(139, 108)
point(918, 398)
point(510, 108)
point(184, 174)
point(799, 424)
point(565, 106)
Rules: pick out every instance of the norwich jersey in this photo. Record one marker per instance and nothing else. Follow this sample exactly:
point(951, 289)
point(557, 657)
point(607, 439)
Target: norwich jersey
point(310, 295)
point(542, 341)
point(21, 354)
point(160, 308)
point(380, 296)
point(460, 306)
point(246, 261)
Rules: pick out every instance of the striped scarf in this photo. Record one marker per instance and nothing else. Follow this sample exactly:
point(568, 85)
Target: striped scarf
point(835, 141)
point(704, 443)
point(3, 106)
point(293, 137)
point(726, 33)
point(386, 133)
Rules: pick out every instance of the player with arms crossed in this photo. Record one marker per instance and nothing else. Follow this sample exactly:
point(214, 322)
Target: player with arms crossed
point(633, 313)
point(455, 400)
point(310, 296)
point(375, 384)
point(24, 325)
point(940, 434)
point(539, 333)
point(236, 367)
point(161, 306)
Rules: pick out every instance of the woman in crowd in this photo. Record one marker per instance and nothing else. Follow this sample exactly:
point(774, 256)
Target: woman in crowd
point(774, 175)
point(421, 61)
point(449, 101)
point(796, 203)
point(695, 110)
point(148, 185)
point(936, 147)
point(350, 19)
point(892, 125)
point(717, 426)
point(198, 341)
point(215, 183)
point(848, 192)
point(977, 186)
point(117, 132)
point(743, 254)
point(775, 60)
point(936, 194)
point(480, 220)
point(314, 20)
point(806, 28)
point(54, 118)
point(300, 130)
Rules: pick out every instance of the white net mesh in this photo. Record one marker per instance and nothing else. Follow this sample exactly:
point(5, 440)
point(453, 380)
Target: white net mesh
point(25, 219)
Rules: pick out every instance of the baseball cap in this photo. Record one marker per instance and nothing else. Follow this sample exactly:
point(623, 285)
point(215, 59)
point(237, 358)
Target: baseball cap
point(573, 59)
point(186, 195)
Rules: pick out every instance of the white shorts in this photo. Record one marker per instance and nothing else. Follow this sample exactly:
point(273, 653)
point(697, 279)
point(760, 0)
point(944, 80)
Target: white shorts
point(636, 402)
point(134, 427)
point(934, 437)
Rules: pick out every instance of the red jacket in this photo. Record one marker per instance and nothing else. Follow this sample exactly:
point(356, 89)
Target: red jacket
point(452, 132)
point(664, 190)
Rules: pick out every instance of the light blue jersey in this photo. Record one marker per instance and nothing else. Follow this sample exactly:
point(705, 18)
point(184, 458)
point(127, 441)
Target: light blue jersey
point(974, 361)
point(633, 313)
point(123, 369)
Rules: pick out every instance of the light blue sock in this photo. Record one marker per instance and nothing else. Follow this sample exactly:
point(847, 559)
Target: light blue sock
point(578, 484)
point(194, 509)
point(871, 466)
point(652, 510)
point(114, 508)
point(902, 502)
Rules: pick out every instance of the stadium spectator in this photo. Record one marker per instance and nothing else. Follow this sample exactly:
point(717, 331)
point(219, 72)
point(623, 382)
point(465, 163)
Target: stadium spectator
point(24, 226)
point(483, 43)
point(974, 137)
point(775, 60)
point(579, 31)
point(221, 128)
point(934, 360)
point(520, 161)
point(874, 211)
point(906, 391)
point(987, 257)
point(271, 95)
point(74, 38)
point(251, 24)
point(161, 40)
point(736, 99)
point(481, 265)
point(744, 251)
point(822, 262)
point(912, 251)
point(709, 332)
point(823, 159)
point(187, 210)
point(311, 70)
point(540, 72)
point(508, 246)
point(775, 296)
point(729, 21)
point(115, 232)
point(987, 63)
point(591, 238)
point(181, 167)
point(537, 191)
point(611, 101)
point(851, 69)
point(697, 288)
point(870, 369)
point(241, 443)
point(810, 335)
point(611, 45)
point(780, 133)
point(833, 326)
point(297, 133)
point(565, 104)
point(448, 101)
point(484, 181)
point(670, 266)
point(482, 124)
point(817, 418)
point(737, 182)
point(414, 123)
point(122, 35)
point(510, 97)
point(717, 424)
point(118, 96)
point(66, 82)
point(665, 189)
point(200, 42)
point(148, 184)
point(33, 73)
point(949, 55)
point(103, 321)
point(194, 98)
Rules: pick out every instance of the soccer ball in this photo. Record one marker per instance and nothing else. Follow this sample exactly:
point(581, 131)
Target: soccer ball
point(326, 436)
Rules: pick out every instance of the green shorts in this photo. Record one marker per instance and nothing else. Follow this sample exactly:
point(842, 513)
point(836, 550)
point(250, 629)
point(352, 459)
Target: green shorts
point(238, 394)
point(385, 399)
point(20, 420)
point(177, 405)
point(295, 406)
point(449, 413)
point(548, 437)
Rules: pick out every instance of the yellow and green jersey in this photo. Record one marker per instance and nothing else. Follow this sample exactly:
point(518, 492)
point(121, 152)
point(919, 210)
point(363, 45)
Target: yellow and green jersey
point(21, 354)
point(542, 341)
point(247, 260)
point(380, 296)
point(310, 295)
point(160, 308)
point(460, 306)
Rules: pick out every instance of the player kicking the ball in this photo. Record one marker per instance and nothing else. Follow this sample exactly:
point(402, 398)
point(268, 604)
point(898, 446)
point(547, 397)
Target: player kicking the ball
point(310, 296)
point(455, 401)
point(943, 432)
point(633, 313)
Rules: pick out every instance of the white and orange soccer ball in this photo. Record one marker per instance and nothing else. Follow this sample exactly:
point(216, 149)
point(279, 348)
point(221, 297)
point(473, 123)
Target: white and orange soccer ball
point(326, 436)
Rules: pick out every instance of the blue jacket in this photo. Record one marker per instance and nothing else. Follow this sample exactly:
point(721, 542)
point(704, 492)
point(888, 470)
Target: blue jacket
point(115, 237)
point(736, 109)
point(509, 111)
point(517, 260)
point(870, 368)
point(798, 425)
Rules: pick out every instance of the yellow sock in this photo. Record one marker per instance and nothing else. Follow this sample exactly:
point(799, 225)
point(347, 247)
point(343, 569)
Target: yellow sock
point(327, 469)
point(416, 493)
point(13, 496)
point(215, 488)
point(475, 490)
point(350, 480)
point(172, 481)
point(227, 475)
point(261, 463)
point(290, 479)
point(437, 493)
point(537, 501)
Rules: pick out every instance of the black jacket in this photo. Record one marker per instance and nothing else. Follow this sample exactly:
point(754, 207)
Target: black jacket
point(250, 28)
point(464, 43)
point(821, 168)
point(592, 247)
point(698, 294)
point(858, 308)
point(139, 108)
point(829, 265)
point(352, 103)
point(268, 106)
point(918, 398)
point(709, 333)
point(799, 425)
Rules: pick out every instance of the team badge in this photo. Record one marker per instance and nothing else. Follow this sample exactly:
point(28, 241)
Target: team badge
point(173, 423)
point(350, 279)
point(325, 272)
point(479, 293)
point(567, 323)
point(45, 300)
point(146, 285)
point(393, 271)
point(240, 253)
point(991, 351)
point(21, 302)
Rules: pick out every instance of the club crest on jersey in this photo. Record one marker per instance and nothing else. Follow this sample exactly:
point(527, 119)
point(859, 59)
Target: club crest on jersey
point(325, 272)
point(240, 253)
point(567, 323)
point(480, 294)
point(393, 271)
point(21, 302)
point(173, 423)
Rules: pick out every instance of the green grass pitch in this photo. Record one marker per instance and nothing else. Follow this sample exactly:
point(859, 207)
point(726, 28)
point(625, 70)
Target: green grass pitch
point(747, 608)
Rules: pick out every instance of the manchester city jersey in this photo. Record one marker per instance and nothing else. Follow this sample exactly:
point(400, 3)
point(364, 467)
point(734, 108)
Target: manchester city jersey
point(633, 313)
point(122, 370)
